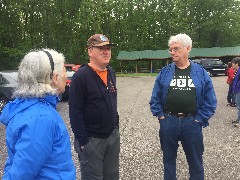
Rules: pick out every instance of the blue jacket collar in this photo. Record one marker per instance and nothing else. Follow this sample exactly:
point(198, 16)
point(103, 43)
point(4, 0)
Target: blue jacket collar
point(20, 104)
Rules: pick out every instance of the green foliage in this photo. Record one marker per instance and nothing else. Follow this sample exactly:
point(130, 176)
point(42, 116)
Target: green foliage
point(65, 25)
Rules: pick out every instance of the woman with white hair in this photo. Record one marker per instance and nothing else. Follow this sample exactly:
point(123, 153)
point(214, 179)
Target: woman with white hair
point(37, 139)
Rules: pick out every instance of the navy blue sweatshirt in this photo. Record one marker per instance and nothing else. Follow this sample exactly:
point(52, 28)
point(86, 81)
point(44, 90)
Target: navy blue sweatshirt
point(92, 104)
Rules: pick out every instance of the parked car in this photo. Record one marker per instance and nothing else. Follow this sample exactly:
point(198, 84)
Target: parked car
point(69, 66)
point(64, 96)
point(76, 67)
point(72, 67)
point(212, 66)
point(8, 81)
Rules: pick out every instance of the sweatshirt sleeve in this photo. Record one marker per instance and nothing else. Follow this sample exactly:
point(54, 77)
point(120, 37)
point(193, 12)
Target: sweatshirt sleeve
point(33, 146)
point(156, 98)
point(209, 102)
point(76, 102)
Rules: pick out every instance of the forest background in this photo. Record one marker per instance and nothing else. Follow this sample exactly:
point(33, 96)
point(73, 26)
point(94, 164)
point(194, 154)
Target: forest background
point(134, 25)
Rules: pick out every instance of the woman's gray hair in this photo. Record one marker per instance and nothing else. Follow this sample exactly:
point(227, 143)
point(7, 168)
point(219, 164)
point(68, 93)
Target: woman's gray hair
point(183, 39)
point(34, 73)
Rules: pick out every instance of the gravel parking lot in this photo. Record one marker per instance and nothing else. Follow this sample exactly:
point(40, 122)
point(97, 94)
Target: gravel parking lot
point(141, 157)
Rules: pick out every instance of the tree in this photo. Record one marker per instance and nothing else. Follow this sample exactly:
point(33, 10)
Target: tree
point(65, 25)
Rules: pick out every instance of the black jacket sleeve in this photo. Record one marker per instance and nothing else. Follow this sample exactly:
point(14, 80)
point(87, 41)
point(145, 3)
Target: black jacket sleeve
point(76, 103)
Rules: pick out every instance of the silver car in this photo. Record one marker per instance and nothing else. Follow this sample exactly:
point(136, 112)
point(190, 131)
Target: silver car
point(8, 81)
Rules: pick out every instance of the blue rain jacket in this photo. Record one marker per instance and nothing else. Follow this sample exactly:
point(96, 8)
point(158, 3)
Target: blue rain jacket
point(37, 140)
point(205, 94)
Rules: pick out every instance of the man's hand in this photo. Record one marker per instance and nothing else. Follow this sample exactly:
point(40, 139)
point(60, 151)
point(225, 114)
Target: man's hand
point(81, 148)
point(161, 117)
point(77, 147)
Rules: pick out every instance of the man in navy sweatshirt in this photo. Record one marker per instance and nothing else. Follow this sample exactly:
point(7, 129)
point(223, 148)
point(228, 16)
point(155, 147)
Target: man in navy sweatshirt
point(93, 113)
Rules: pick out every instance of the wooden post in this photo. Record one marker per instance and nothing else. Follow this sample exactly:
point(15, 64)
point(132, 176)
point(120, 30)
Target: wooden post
point(121, 66)
point(151, 66)
point(136, 68)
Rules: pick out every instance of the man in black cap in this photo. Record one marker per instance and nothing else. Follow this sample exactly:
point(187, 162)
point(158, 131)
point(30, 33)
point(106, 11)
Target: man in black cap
point(93, 113)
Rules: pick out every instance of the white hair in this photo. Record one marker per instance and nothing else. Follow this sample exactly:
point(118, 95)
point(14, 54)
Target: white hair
point(183, 39)
point(34, 73)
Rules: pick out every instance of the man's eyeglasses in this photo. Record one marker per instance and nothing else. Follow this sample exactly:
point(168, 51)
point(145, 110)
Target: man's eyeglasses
point(176, 49)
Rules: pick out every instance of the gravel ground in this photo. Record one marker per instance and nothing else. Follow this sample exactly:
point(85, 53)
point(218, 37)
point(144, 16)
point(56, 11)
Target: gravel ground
point(141, 157)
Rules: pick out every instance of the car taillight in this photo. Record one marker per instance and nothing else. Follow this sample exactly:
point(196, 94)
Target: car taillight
point(68, 82)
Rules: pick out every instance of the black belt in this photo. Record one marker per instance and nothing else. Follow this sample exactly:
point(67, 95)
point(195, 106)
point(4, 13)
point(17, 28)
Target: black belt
point(180, 115)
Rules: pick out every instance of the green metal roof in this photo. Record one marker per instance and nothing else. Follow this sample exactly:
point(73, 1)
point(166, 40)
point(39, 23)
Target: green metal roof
point(163, 54)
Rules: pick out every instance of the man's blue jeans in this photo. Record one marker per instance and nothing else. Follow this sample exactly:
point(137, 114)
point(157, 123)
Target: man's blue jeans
point(189, 132)
point(231, 95)
point(237, 95)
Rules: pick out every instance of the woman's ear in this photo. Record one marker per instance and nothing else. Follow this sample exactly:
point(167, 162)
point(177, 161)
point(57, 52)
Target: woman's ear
point(54, 82)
